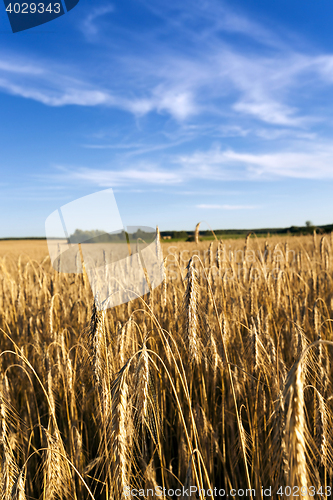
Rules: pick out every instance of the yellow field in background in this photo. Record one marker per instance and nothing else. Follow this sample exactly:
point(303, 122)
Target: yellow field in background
point(38, 250)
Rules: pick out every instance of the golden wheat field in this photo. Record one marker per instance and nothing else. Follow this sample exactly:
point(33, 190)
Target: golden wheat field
point(216, 384)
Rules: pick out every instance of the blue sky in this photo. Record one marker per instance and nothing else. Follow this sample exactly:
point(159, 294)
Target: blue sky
point(193, 110)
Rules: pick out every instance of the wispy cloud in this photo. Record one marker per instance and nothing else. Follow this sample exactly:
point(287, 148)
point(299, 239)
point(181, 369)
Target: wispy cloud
point(55, 98)
point(308, 161)
point(90, 25)
point(228, 207)
point(270, 112)
point(217, 17)
point(140, 174)
point(199, 75)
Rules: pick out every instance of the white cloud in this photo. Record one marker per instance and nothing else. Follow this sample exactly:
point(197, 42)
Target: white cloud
point(308, 161)
point(195, 76)
point(89, 25)
point(315, 164)
point(8, 66)
point(70, 96)
point(219, 17)
point(141, 174)
point(179, 104)
point(178, 86)
point(269, 112)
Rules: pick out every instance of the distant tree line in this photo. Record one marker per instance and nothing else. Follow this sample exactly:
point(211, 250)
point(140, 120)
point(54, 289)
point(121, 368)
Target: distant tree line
point(98, 236)
point(294, 230)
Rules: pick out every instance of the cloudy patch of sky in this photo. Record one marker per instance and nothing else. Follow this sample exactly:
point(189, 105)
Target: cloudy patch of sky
point(229, 102)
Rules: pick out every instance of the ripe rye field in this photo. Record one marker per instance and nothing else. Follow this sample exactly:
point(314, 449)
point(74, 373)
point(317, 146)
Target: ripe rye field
point(219, 378)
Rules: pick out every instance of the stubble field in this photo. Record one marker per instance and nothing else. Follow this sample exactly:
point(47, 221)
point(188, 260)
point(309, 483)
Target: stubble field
point(219, 378)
